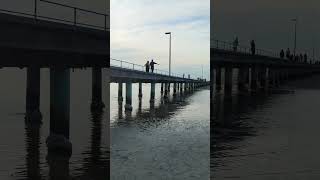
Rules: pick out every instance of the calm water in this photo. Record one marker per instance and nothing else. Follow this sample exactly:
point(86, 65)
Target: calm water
point(268, 136)
point(160, 141)
point(23, 151)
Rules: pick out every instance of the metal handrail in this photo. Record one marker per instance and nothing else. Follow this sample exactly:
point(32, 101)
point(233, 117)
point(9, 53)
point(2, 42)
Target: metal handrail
point(132, 66)
point(75, 21)
point(218, 44)
point(75, 11)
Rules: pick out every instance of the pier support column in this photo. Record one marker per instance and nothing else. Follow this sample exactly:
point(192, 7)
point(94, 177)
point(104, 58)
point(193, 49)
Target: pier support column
point(58, 140)
point(97, 103)
point(218, 78)
point(165, 90)
point(120, 97)
point(33, 113)
point(140, 90)
point(169, 87)
point(263, 78)
point(128, 106)
point(153, 90)
point(185, 87)
point(161, 88)
point(181, 88)
point(243, 77)
point(254, 78)
point(228, 80)
point(174, 89)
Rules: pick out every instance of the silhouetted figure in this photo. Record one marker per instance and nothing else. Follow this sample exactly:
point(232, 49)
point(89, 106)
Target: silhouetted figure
point(281, 54)
point(147, 66)
point(253, 47)
point(288, 54)
point(235, 44)
point(152, 63)
point(305, 57)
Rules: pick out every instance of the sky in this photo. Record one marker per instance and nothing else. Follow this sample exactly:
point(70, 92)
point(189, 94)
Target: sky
point(138, 33)
point(268, 23)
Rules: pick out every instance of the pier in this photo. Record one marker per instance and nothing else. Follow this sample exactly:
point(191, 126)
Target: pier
point(262, 71)
point(33, 41)
point(127, 73)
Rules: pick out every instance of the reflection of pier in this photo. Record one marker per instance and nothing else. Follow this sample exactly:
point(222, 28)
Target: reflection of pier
point(156, 113)
point(95, 164)
point(35, 42)
point(135, 74)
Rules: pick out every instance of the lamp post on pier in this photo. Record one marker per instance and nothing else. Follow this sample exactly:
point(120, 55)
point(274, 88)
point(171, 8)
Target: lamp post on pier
point(169, 53)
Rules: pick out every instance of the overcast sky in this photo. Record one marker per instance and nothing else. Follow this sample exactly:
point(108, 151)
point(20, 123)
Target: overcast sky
point(138, 33)
point(268, 22)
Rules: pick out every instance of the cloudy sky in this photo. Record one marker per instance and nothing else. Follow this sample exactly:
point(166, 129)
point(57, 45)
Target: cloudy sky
point(138, 33)
point(268, 22)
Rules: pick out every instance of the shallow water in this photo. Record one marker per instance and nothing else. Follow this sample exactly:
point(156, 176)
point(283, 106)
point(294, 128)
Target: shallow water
point(23, 150)
point(164, 140)
point(267, 136)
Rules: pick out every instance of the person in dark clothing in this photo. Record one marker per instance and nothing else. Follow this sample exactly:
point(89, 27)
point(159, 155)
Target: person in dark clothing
point(152, 63)
point(147, 65)
point(288, 55)
point(235, 44)
point(253, 47)
point(305, 58)
point(281, 54)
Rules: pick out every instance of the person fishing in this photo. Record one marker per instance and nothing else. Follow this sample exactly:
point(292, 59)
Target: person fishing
point(235, 44)
point(147, 65)
point(281, 54)
point(253, 47)
point(152, 63)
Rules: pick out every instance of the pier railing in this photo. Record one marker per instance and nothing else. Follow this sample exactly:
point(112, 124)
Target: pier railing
point(138, 67)
point(229, 46)
point(75, 10)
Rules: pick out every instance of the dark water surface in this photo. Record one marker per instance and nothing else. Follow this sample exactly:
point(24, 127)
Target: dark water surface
point(160, 141)
point(271, 136)
point(23, 150)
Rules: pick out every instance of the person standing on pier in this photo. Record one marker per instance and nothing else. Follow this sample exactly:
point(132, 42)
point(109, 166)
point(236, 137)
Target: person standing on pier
point(235, 44)
point(147, 66)
point(281, 54)
point(152, 63)
point(253, 47)
point(288, 54)
point(305, 58)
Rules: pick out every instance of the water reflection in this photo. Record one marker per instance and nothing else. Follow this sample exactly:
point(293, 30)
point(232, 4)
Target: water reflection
point(96, 161)
point(155, 114)
point(231, 122)
point(32, 131)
